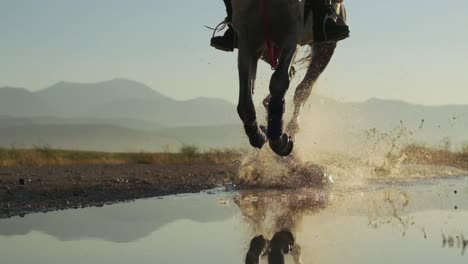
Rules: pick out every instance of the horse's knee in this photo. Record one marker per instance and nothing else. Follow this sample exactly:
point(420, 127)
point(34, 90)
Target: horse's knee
point(279, 84)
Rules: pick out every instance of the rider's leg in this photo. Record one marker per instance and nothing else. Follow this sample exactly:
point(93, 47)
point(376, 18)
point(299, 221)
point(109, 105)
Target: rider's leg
point(327, 25)
point(227, 42)
point(228, 5)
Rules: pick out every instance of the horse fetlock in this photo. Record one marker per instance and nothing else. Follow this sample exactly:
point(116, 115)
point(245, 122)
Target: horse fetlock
point(257, 140)
point(251, 128)
point(275, 128)
point(256, 136)
point(282, 146)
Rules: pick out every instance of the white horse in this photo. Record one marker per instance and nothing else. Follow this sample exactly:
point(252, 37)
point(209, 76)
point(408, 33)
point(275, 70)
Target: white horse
point(278, 23)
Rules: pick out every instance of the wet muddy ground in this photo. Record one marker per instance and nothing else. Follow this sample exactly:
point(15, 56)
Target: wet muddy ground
point(25, 190)
point(406, 221)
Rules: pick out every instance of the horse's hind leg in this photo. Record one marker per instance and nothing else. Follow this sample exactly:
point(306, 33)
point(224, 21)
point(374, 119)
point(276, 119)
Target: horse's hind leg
point(321, 56)
point(247, 65)
point(296, 253)
point(280, 142)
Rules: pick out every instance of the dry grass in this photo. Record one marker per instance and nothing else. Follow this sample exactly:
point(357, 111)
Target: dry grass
point(424, 155)
point(41, 156)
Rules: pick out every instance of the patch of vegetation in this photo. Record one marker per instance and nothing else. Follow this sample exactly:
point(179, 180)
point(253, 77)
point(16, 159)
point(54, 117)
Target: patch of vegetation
point(443, 157)
point(189, 150)
point(40, 156)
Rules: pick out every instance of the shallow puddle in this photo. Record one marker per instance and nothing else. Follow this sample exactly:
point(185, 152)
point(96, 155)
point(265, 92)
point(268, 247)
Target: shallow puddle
point(407, 222)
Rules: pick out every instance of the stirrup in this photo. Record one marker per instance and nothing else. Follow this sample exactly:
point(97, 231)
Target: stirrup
point(220, 27)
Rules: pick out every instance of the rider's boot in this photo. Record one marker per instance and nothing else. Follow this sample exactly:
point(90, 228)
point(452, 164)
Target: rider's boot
point(227, 42)
point(328, 26)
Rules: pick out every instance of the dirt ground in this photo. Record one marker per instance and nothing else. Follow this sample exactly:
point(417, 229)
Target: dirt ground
point(31, 189)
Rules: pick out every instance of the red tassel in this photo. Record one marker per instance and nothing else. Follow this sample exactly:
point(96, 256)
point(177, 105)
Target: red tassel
point(272, 52)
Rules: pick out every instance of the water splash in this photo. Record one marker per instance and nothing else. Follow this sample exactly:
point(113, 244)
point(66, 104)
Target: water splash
point(327, 150)
point(264, 169)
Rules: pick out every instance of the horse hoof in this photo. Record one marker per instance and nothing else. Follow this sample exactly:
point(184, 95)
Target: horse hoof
point(258, 140)
point(283, 146)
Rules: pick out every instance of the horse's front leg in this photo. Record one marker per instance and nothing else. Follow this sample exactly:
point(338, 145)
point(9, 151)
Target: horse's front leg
point(247, 65)
point(281, 143)
point(321, 54)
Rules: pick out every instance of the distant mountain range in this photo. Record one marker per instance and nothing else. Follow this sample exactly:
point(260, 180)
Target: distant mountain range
point(124, 115)
point(115, 99)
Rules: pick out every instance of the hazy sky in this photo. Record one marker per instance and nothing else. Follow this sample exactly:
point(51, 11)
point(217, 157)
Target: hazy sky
point(410, 50)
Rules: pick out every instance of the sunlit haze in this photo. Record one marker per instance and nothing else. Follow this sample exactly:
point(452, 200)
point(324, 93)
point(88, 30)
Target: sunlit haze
point(406, 50)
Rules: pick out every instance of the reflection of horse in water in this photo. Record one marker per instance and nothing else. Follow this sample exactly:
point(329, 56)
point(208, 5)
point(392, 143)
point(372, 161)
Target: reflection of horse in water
point(281, 244)
point(273, 29)
point(278, 215)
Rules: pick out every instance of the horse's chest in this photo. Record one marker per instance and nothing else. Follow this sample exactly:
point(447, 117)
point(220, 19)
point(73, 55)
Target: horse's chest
point(307, 33)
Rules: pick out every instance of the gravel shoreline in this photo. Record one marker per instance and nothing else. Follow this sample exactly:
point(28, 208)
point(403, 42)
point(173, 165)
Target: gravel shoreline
point(33, 189)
